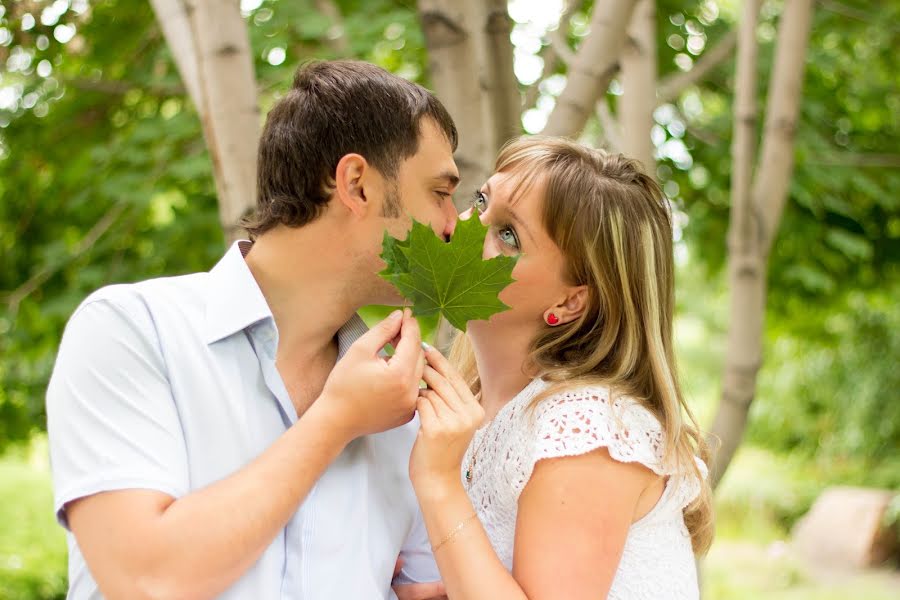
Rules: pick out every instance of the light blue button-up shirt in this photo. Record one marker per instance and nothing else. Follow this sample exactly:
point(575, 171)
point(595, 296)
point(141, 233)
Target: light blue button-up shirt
point(170, 384)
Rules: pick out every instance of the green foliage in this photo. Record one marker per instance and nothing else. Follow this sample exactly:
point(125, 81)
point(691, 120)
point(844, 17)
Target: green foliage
point(32, 545)
point(841, 226)
point(448, 278)
point(830, 383)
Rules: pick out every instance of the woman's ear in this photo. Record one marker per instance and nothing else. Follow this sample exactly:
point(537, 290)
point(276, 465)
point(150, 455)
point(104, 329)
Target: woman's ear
point(569, 308)
point(349, 180)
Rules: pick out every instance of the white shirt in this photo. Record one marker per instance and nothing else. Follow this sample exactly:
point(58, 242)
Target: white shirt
point(657, 561)
point(170, 385)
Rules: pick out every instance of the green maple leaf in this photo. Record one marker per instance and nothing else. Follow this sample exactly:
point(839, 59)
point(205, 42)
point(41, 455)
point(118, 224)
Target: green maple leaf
point(450, 278)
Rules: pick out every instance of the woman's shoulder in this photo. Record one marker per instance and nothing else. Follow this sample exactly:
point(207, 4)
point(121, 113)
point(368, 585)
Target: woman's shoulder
point(568, 420)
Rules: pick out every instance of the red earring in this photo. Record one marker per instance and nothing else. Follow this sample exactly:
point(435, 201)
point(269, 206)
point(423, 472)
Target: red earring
point(552, 319)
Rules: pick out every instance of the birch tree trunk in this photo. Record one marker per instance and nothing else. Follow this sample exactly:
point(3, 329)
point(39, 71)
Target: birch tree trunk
point(756, 210)
point(639, 86)
point(453, 62)
point(504, 102)
point(592, 68)
point(210, 43)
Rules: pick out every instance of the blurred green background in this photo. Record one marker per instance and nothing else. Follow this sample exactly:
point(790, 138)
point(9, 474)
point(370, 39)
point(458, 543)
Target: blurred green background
point(105, 177)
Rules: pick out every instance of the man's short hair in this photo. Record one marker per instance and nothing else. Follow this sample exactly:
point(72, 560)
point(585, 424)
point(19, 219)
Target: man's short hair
point(335, 108)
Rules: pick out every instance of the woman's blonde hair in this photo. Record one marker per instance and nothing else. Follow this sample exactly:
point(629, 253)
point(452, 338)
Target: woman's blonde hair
point(613, 225)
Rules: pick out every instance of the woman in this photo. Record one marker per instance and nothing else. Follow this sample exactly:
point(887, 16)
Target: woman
point(583, 478)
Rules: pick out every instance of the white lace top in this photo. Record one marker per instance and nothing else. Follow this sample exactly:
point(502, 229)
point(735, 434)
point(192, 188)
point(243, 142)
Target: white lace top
point(657, 561)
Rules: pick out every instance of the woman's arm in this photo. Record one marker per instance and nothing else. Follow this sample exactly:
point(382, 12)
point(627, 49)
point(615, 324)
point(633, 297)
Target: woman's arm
point(574, 513)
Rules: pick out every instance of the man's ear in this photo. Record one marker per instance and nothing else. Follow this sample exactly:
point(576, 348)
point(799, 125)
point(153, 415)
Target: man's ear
point(350, 183)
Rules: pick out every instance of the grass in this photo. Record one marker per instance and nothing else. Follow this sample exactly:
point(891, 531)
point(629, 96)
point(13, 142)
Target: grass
point(32, 545)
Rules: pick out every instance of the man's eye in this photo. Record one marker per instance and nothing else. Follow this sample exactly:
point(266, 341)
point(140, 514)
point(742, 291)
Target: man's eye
point(479, 201)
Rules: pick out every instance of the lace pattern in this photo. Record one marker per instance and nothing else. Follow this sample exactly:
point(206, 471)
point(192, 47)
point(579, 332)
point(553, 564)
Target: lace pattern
point(657, 561)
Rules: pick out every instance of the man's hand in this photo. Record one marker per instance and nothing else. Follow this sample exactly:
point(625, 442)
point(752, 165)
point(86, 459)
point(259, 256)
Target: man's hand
point(433, 590)
point(367, 393)
point(421, 591)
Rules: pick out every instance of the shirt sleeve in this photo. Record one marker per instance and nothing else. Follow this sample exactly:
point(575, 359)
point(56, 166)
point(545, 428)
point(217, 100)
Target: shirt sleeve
point(418, 561)
point(582, 420)
point(111, 419)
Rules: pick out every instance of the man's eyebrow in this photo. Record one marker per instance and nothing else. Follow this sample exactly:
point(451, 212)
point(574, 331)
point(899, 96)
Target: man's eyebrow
point(449, 176)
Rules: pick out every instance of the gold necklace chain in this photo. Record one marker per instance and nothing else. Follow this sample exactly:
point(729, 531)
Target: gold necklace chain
point(470, 469)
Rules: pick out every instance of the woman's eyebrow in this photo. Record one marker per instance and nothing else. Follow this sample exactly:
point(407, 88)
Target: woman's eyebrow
point(508, 212)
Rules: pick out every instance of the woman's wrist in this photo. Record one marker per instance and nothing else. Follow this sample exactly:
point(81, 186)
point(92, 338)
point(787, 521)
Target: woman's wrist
point(437, 487)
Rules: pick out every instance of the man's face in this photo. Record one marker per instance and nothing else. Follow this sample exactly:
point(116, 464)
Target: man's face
point(424, 187)
point(426, 182)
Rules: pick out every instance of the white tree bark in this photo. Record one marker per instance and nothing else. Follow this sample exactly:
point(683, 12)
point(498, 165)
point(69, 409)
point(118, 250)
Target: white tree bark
point(173, 19)
point(231, 111)
point(776, 165)
point(639, 86)
point(453, 62)
point(592, 68)
point(756, 211)
point(504, 101)
point(209, 41)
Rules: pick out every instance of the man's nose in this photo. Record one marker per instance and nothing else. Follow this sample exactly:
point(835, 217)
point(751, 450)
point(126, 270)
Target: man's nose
point(452, 218)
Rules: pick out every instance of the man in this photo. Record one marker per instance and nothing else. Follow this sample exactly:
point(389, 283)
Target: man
point(236, 433)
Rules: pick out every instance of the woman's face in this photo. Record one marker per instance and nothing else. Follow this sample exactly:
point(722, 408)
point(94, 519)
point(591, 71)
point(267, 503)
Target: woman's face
point(516, 229)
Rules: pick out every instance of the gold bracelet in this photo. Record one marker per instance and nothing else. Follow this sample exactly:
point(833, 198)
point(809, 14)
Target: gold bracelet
point(459, 527)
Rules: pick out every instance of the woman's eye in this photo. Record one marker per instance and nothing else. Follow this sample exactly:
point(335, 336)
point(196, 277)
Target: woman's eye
point(508, 236)
point(479, 201)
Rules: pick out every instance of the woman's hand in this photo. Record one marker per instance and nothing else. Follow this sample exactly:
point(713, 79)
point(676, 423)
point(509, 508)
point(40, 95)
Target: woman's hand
point(449, 416)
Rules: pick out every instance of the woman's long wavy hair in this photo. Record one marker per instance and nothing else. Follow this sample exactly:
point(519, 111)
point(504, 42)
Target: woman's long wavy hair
point(614, 227)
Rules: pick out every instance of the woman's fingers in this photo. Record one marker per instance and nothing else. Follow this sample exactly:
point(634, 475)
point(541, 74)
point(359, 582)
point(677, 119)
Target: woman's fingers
point(427, 415)
point(443, 366)
point(439, 384)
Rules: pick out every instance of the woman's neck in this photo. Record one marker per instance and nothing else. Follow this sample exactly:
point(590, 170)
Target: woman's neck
point(500, 359)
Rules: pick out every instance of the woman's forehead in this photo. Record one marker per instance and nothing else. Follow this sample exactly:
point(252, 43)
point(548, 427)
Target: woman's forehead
point(521, 182)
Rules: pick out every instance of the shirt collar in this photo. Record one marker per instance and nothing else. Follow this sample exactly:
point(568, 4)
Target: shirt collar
point(235, 301)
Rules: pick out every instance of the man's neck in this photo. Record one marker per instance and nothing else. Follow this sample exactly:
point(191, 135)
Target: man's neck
point(306, 287)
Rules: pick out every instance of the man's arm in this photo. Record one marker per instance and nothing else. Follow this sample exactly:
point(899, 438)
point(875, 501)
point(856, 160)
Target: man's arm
point(141, 542)
point(146, 544)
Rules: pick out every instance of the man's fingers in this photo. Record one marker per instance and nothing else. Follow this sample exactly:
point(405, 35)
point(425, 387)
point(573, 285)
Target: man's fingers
point(379, 336)
point(421, 591)
point(408, 348)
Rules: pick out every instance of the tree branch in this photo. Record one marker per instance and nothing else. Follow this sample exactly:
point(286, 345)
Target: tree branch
point(120, 88)
point(174, 19)
point(639, 75)
point(337, 41)
point(593, 67)
point(15, 297)
point(611, 131)
point(772, 183)
point(671, 87)
point(851, 159)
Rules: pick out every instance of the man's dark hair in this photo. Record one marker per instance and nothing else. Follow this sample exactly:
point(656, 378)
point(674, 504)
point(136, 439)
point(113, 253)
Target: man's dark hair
point(335, 108)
